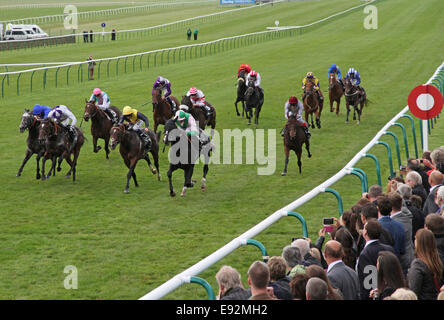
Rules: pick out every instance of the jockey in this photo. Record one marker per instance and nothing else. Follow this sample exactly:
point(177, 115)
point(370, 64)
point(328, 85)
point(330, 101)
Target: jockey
point(41, 111)
point(136, 120)
point(355, 78)
point(310, 77)
point(290, 104)
point(165, 85)
point(336, 70)
point(256, 77)
point(185, 121)
point(66, 119)
point(102, 100)
point(198, 99)
point(245, 68)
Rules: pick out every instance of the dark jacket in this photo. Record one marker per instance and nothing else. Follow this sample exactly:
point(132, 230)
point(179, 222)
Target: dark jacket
point(430, 205)
point(421, 281)
point(309, 260)
point(369, 257)
point(236, 294)
point(345, 279)
point(396, 230)
point(417, 219)
point(419, 190)
point(281, 288)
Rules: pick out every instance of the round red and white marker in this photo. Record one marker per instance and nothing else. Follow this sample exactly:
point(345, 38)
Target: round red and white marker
point(425, 101)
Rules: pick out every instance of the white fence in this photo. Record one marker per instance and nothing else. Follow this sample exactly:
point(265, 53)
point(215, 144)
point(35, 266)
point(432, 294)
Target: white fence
point(184, 277)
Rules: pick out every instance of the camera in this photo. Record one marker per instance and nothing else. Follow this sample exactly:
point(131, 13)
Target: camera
point(402, 168)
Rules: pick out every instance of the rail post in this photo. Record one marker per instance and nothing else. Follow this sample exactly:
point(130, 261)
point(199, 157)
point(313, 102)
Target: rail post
point(378, 167)
point(338, 197)
point(302, 220)
point(389, 152)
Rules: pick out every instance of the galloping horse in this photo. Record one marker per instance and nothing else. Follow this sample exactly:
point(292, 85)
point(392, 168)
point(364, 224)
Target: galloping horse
point(294, 138)
point(100, 124)
point(335, 92)
point(311, 105)
point(132, 150)
point(252, 100)
point(180, 143)
point(241, 88)
point(32, 123)
point(57, 144)
point(162, 110)
point(199, 115)
point(353, 98)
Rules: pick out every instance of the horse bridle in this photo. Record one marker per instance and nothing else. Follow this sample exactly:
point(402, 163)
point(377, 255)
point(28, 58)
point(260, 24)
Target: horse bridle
point(96, 107)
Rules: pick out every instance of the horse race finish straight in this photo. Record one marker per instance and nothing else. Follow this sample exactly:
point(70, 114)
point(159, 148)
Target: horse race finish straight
point(101, 124)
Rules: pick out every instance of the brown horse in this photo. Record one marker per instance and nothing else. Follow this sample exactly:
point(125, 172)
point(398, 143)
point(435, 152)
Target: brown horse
point(294, 138)
point(353, 97)
point(335, 92)
point(311, 105)
point(57, 145)
point(162, 109)
point(132, 150)
point(199, 115)
point(100, 124)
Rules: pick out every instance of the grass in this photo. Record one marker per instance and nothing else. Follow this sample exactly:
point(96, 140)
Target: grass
point(126, 245)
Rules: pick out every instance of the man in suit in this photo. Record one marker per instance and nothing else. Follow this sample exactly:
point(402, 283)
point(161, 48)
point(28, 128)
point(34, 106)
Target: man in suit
point(435, 181)
point(403, 215)
point(414, 180)
point(366, 265)
point(341, 276)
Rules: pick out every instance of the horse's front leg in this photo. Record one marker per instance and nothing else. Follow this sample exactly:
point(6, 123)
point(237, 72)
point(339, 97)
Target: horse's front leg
point(95, 147)
point(287, 156)
point(130, 174)
point(256, 116)
point(43, 167)
point(107, 151)
point(59, 164)
point(337, 106)
point(170, 175)
point(38, 176)
point(243, 108)
point(235, 104)
point(27, 156)
point(348, 111)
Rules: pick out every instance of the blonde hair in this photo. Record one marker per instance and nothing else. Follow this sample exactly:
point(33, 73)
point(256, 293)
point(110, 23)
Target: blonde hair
point(404, 294)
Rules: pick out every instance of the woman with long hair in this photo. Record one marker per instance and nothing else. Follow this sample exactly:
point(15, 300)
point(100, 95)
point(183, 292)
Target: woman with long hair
point(348, 246)
point(425, 275)
point(317, 271)
point(390, 276)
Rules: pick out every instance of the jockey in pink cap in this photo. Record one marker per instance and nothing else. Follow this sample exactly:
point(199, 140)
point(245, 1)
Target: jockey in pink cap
point(101, 99)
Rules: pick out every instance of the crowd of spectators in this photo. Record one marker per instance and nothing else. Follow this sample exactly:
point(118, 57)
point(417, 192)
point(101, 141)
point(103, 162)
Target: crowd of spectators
point(388, 246)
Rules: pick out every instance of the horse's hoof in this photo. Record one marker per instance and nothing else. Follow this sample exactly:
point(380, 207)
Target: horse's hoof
point(68, 176)
point(331, 110)
point(38, 176)
point(18, 174)
point(154, 171)
point(203, 187)
point(172, 193)
point(238, 114)
point(357, 122)
point(48, 176)
point(126, 191)
point(283, 174)
point(346, 121)
point(309, 155)
point(59, 169)
point(97, 149)
point(158, 177)
point(43, 177)
point(183, 193)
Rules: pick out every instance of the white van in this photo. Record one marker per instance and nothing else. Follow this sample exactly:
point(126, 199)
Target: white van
point(23, 32)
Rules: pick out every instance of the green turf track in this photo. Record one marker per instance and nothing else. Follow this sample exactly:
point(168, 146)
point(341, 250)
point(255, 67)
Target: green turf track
point(126, 245)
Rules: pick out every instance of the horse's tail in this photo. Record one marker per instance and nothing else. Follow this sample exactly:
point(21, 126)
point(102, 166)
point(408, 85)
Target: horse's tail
point(367, 101)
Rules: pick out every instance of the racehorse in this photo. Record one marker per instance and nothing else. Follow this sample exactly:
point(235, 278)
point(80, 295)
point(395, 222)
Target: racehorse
point(57, 144)
point(353, 98)
point(199, 115)
point(132, 150)
point(32, 123)
point(241, 88)
point(162, 109)
point(311, 105)
point(335, 92)
point(253, 100)
point(183, 155)
point(100, 124)
point(294, 138)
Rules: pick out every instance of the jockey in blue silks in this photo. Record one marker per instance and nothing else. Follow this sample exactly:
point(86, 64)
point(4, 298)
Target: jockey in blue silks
point(41, 111)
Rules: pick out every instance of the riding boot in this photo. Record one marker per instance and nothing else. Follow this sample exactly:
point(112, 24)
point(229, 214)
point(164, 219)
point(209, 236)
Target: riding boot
point(145, 138)
point(342, 85)
point(307, 132)
point(110, 114)
point(283, 131)
point(172, 104)
point(319, 95)
point(207, 111)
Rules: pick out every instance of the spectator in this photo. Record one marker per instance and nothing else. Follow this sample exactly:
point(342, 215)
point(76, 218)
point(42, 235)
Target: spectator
point(304, 247)
point(230, 285)
point(189, 34)
point(195, 33)
point(417, 216)
point(279, 280)
point(435, 223)
point(315, 271)
point(258, 279)
point(339, 274)
point(369, 256)
point(298, 285)
point(404, 294)
point(437, 157)
point(390, 276)
point(91, 35)
point(293, 259)
point(113, 34)
point(349, 249)
point(426, 272)
point(350, 220)
point(415, 165)
point(370, 211)
point(373, 193)
point(435, 180)
point(440, 296)
point(439, 200)
point(91, 65)
point(414, 180)
point(395, 228)
point(404, 216)
point(85, 36)
point(316, 289)
point(416, 201)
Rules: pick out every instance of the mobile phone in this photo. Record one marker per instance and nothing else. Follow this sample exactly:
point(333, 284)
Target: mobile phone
point(328, 228)
point(328, 221)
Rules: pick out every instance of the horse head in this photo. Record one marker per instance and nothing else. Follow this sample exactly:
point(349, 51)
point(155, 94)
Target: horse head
point(116, 134)
point(48, 129)
point(28, 120)
point(170, 125)
point(156, 95)
point(350, 89)
point(309, 88)
point(292, 125)
point(186, 101)
point(332, 80)
point(90, 110)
